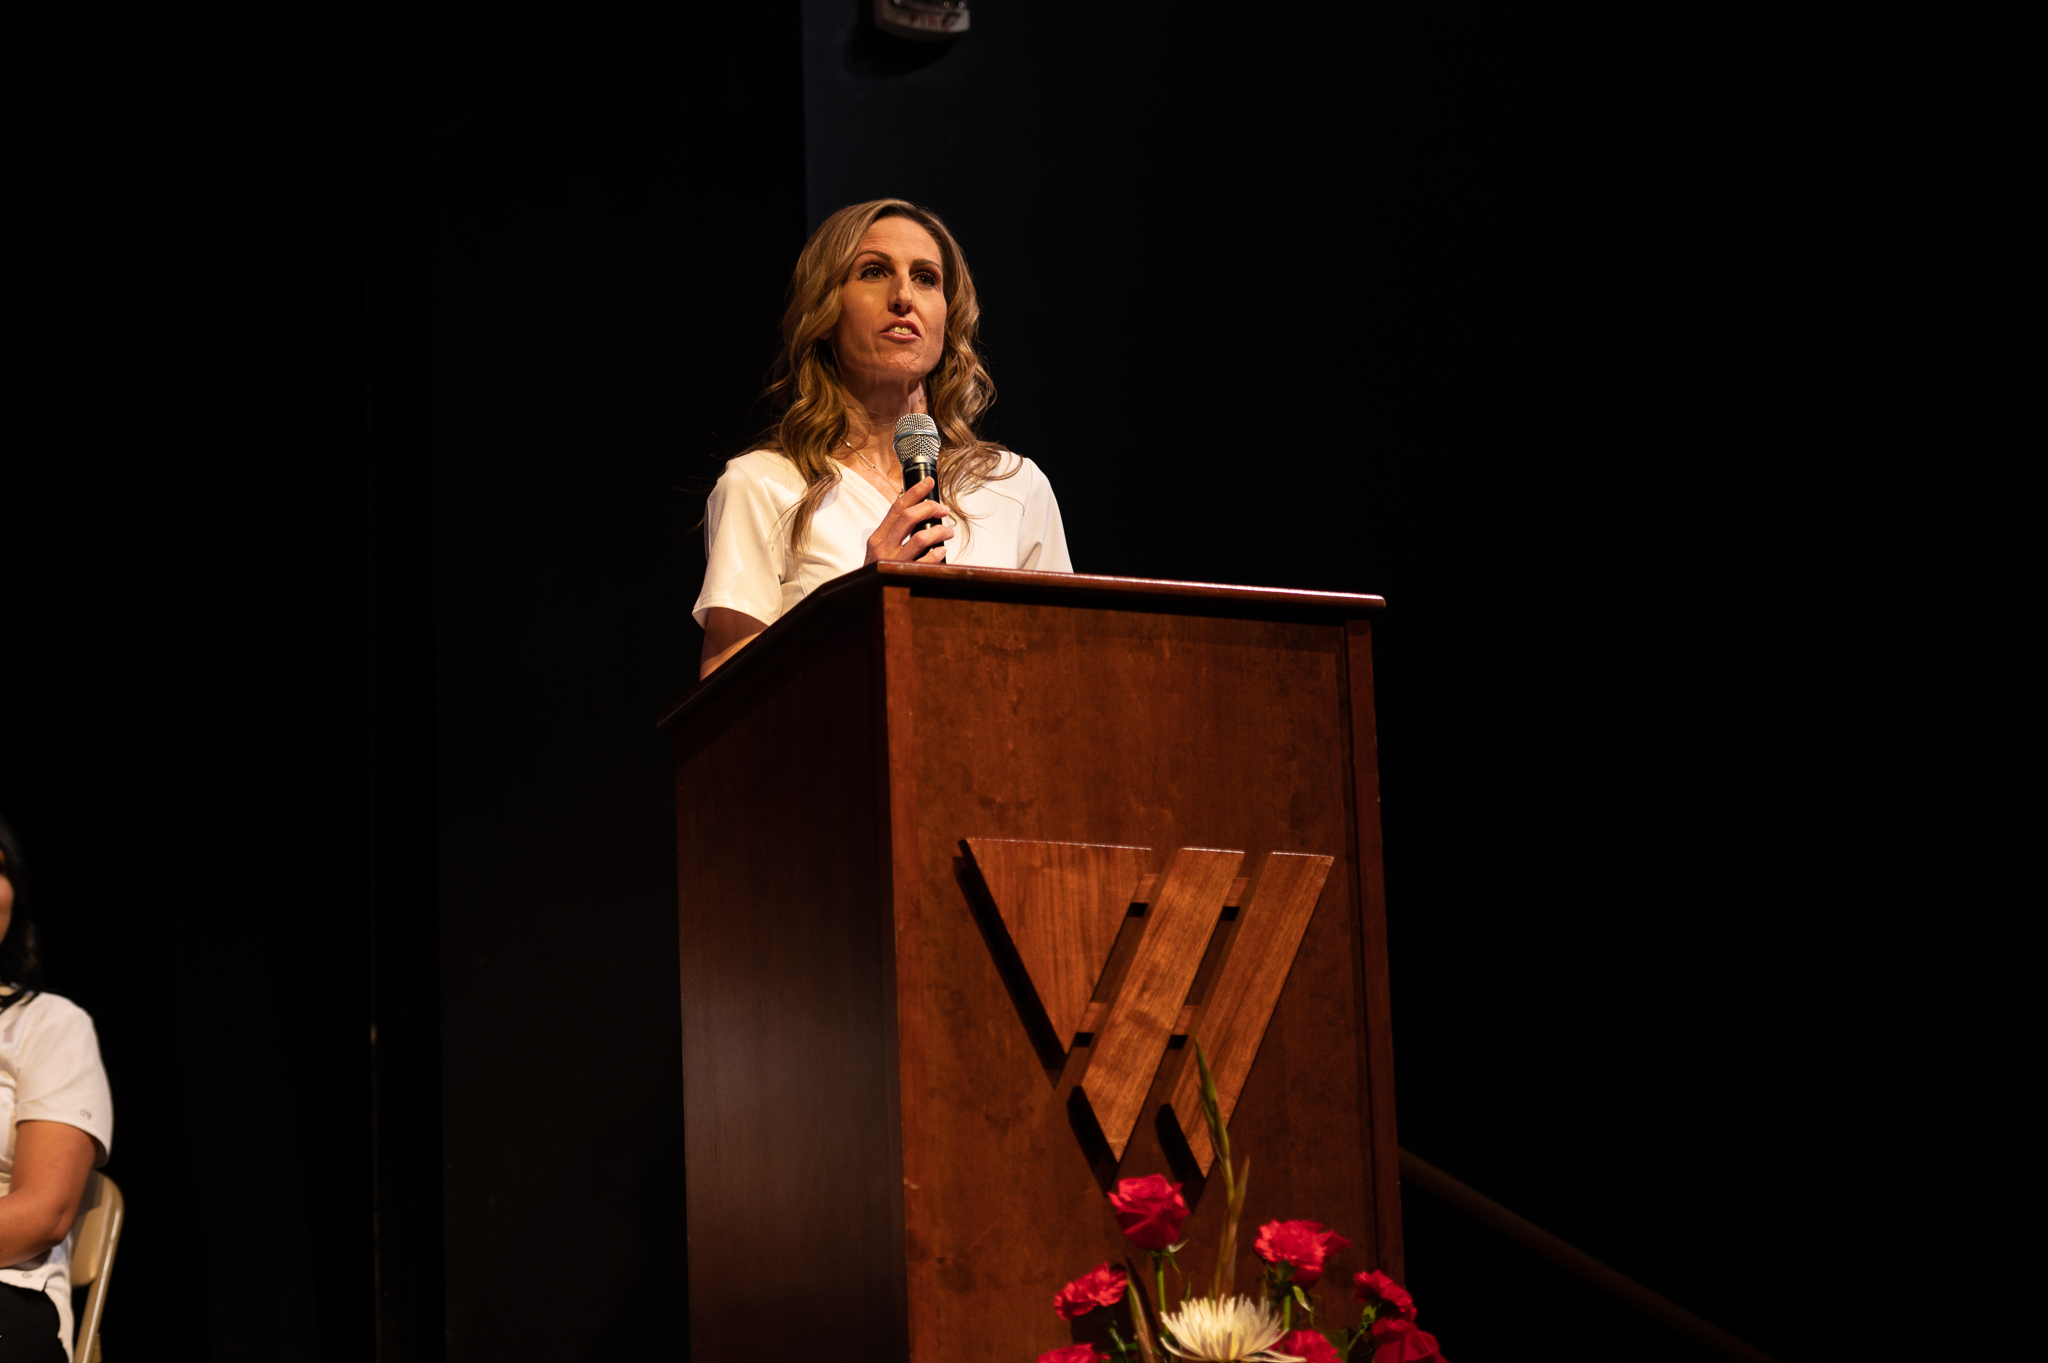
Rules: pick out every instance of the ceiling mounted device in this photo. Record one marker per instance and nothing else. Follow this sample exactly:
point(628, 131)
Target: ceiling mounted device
point(923, 20)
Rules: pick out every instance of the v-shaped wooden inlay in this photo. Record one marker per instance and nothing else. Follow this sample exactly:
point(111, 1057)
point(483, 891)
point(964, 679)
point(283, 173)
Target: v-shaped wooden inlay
point(1063, 904)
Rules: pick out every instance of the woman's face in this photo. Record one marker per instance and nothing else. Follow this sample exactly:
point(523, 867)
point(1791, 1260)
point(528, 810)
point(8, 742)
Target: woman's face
point(892, 306)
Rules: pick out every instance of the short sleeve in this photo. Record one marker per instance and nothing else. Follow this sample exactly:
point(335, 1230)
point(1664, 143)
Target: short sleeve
point(746, 528)
point(1041, 538)
point(61, 1077)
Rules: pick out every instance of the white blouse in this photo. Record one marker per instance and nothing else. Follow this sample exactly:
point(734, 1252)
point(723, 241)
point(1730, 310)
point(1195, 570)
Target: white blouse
point(748, 566)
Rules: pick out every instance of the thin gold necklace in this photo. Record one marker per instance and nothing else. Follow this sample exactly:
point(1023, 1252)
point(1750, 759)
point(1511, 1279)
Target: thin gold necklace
point(877, 468)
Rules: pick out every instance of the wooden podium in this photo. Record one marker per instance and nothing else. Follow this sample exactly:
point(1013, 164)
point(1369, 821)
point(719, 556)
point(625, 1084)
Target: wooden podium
point(966, 858)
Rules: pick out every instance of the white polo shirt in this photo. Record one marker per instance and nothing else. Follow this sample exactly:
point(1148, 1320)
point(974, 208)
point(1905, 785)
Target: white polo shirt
point(748, 566)
point(50, 1071)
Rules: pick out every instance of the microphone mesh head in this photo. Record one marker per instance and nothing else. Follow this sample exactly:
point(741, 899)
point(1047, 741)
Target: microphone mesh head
point(917, 437)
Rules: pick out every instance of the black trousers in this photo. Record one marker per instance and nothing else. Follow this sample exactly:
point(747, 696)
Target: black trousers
point(28, 1327)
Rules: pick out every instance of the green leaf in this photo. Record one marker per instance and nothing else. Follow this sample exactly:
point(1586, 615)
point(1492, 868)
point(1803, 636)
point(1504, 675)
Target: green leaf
point(1212, 1112)
point(1226, 1251)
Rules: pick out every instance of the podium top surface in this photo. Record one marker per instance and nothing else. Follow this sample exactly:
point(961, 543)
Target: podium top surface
point(1077, 589)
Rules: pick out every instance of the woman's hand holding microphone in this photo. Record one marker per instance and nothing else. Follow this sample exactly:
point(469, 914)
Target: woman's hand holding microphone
point(898, 540)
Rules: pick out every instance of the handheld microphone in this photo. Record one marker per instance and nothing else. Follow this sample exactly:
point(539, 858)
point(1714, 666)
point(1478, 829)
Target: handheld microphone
point(917, 449)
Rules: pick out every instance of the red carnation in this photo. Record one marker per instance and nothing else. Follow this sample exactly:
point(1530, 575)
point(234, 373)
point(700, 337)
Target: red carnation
point(1305, 1244)
point(1377, 1289)
point(1074, 1353)
point(1309, 1345)
point(1149, 1211)
point(1099, 1286)
point(1398, 1341)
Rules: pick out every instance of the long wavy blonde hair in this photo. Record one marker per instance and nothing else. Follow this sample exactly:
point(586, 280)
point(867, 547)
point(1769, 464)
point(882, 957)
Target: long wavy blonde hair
point(810, 397)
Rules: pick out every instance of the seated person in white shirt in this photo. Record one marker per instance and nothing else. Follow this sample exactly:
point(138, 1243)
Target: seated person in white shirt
point(881, 323)
point(58, 1122)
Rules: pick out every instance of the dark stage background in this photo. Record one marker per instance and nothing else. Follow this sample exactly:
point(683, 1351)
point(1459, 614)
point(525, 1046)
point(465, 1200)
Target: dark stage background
point(388, 352)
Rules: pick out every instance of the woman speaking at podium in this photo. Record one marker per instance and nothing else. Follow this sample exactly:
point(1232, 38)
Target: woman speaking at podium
point(881, 323)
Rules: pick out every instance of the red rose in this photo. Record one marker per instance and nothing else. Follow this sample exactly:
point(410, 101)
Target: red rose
point(1309, 1345)
point(1099, 1286)
point(1149, 1211)
point(1398, 1341)
point(1377, 1289)
point(1074, 1353)
point(1305, 1244)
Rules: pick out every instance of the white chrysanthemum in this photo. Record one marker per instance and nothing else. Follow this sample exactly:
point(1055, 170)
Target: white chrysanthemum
point(1233, 1330)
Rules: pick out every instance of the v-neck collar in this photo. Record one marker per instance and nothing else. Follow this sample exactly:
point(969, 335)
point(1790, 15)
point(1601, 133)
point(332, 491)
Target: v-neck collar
point(848, 474)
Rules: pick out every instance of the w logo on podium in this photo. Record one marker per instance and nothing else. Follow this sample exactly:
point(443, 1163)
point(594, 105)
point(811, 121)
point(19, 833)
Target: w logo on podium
point(1130, 964)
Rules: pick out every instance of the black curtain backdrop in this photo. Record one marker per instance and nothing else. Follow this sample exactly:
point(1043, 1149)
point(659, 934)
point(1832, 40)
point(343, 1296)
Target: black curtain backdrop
point(383, 357)
point(217, 744)
point(618, 196)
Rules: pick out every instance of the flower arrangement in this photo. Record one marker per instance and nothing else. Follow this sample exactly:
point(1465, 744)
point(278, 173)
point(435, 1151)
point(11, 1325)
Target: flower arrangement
point(1220, 1326)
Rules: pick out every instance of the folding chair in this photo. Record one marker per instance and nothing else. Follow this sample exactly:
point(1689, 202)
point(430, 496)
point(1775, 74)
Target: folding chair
point(94, 1238)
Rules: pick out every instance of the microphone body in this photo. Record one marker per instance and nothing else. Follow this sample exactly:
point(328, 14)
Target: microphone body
point(917, 450)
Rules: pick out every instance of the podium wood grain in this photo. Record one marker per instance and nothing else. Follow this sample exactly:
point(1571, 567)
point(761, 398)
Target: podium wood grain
point(1063, 904)
point(1231, 1021)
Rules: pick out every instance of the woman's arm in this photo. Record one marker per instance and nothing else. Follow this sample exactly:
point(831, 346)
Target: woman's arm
point(726, 632)
point(51, 1163)
point(897, 538)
